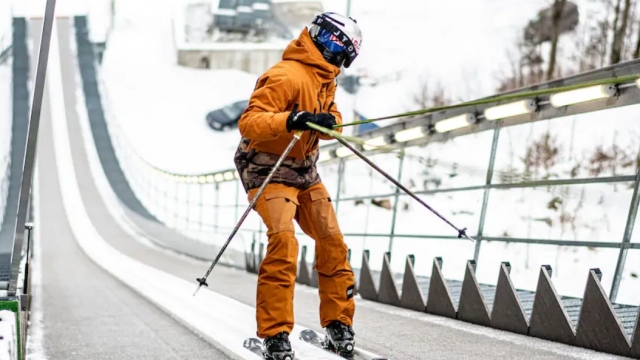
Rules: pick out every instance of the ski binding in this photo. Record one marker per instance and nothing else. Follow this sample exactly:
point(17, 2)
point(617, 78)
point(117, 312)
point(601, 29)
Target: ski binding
point(255, 346)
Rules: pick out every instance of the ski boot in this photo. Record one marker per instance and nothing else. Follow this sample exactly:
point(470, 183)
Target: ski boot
point(340, 339)
point(278, 347)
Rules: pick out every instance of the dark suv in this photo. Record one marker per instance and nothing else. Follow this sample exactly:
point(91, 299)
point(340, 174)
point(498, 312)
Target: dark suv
point(226, 117)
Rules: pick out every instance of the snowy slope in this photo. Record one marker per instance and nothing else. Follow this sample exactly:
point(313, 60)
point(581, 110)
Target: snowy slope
point(5, 112)
point(161, 105)
point(5, 102)
point(5, 24)
point(5, 107)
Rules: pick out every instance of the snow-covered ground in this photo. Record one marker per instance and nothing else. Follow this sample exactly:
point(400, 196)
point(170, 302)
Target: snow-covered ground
point(5, 24)
point(460, 44)
point(161, 104)
point(5, 113)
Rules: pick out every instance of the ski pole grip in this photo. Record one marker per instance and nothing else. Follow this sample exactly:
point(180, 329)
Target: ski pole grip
point(298, 133)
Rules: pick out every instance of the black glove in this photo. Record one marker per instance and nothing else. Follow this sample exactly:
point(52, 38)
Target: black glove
point(326, 120)
point(298, 120)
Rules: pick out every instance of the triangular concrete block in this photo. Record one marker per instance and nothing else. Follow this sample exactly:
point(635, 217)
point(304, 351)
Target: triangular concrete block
point(314, 278)
point(472, 307)
point(367, 286)
point(253, 258)
point(411, 297)
point(247, 262)
point(549, 319)
point(314, 275)
point(439, 301)
point(304, 277)
point(598, 326)
point(388, 292)
point(260, 255)
point(507, 313)
point(356, 281)
point(248, 258)
point(635, 345)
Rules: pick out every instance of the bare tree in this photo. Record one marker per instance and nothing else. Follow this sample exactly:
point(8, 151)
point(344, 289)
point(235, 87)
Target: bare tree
point(558, 7)
point(630, 37)
point(427, 98)
point(619, 33)
point(616, 17)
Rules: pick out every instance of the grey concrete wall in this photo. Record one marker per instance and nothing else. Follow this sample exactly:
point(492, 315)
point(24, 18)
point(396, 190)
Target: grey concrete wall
point(21, 106)
point(253, 61)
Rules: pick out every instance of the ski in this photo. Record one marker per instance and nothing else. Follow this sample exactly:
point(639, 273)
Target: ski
point(313, 338)
point(255, 346)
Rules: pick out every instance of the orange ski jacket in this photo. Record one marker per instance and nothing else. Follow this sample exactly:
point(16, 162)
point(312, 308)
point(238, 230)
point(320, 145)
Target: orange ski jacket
point(304, 77)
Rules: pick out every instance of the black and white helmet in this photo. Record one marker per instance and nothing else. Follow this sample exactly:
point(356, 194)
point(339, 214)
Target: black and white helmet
point(337, 37)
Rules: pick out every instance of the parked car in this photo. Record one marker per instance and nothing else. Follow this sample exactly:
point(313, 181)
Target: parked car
point(226, 117)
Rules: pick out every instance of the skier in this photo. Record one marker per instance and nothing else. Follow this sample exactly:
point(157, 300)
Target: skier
point(306, 76)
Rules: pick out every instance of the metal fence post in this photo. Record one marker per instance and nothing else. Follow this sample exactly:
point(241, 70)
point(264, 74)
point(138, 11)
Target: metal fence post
point(626, 240)
point(155, 199)
point(237, 201)
point(216, 208)
point(341, 166)
point(396, 200)
point(32, 139)
point(188, 219)
point(485, 199)
point(176, 203)
point(200, 207)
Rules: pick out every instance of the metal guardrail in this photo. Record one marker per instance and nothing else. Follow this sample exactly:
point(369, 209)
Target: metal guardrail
point(204, 203)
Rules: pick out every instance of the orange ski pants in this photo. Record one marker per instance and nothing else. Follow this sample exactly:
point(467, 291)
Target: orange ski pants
point(278, 206)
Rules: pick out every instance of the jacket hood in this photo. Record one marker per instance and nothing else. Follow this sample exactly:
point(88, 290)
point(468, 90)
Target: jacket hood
point(304, 50)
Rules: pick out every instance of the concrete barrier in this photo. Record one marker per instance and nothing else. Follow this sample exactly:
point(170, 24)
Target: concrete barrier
point(252, 57)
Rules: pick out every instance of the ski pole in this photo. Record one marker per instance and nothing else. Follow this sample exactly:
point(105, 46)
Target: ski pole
point(461, 232)
point(296, 137)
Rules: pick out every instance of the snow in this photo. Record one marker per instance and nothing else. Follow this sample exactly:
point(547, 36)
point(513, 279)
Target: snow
point(35, 338)
point(140, 59)
point(100, 18)
point(36, 8)
point(462, 46)
point(5, 130)
point(5, 24)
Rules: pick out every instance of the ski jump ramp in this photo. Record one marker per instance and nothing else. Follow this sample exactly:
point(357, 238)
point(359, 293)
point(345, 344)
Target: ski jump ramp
point(111, 283)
